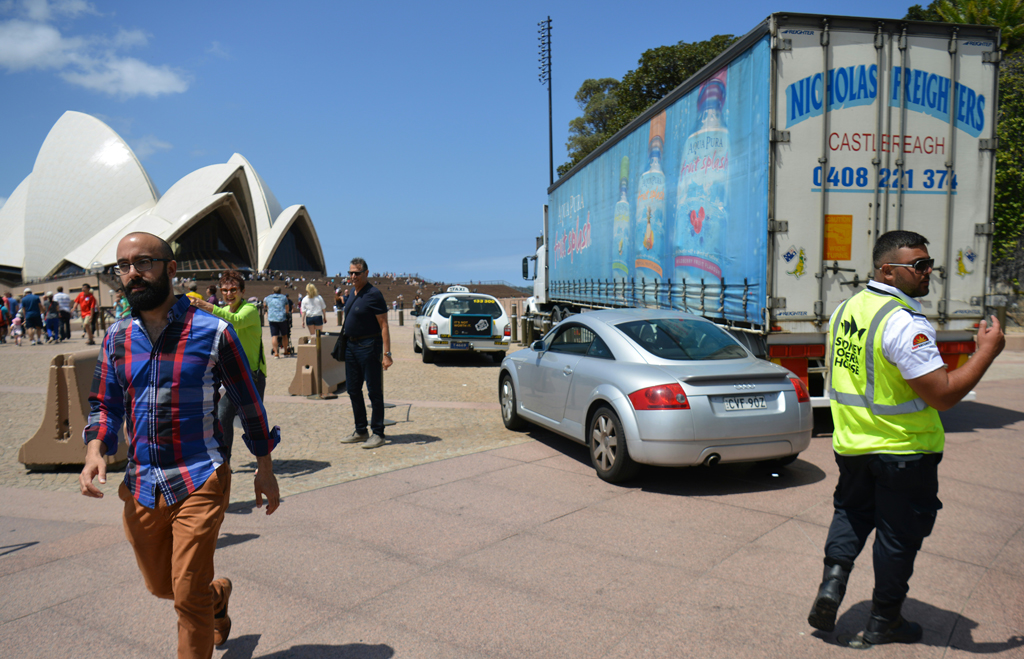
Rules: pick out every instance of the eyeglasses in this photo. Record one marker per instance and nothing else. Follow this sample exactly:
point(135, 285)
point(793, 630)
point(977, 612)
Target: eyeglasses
point(920, 265)
point(142, 265)
point(228, 290)
point(355, 273)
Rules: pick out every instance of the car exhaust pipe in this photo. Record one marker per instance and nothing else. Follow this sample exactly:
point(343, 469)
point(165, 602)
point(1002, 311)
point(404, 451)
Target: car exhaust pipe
point(712, 460)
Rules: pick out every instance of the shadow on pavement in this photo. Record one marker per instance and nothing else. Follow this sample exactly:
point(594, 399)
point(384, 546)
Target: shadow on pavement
point(243, 647)
point(464, 360)
point(971, 416)
point(247, 507)
point(412, 438)
point(287, 468)
point(734, 478)
point(956, 629)
point(228, 539)
point(10, 549)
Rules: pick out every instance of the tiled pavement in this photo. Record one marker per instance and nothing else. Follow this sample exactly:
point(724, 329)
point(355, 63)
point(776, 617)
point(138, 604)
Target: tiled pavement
point(512, 547)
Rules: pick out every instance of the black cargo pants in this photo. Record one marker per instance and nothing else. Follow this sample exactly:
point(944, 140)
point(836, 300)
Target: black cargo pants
point(897, 496)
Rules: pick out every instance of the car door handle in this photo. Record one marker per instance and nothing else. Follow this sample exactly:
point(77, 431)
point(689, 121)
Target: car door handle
point(567, 371)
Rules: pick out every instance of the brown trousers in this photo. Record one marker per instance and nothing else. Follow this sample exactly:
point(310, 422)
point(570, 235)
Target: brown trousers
point(174, 548)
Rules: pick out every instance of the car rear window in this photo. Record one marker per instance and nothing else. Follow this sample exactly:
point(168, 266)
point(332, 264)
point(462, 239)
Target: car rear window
point(682, 339)
point(471, 304)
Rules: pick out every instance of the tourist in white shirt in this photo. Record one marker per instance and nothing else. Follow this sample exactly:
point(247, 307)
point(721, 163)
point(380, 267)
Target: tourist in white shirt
point(312, 309)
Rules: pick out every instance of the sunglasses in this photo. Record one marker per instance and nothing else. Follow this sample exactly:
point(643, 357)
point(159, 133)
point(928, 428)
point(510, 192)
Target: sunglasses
point(355, 273)
point(920, 265)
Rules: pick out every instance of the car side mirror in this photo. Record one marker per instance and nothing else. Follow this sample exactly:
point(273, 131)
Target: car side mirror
point(537, 346)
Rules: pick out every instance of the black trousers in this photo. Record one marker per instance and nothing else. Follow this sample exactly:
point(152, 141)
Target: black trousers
point(363, 364)
point(65, 325)
point(897, 496)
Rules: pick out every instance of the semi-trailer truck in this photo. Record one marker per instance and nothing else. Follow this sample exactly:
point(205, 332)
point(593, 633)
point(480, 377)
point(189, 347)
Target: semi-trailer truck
point(754, 192)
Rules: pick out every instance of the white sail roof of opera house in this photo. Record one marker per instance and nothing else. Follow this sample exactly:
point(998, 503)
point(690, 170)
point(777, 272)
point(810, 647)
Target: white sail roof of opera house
point(220, 216)
point(12, 227)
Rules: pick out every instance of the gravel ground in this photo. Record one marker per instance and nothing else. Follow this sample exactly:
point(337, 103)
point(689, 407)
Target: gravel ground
point(442, 410)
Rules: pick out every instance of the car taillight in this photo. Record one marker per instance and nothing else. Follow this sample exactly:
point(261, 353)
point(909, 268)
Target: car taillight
point(508, 331)
point(661, 397)
point(433, 329)
point(801, 391)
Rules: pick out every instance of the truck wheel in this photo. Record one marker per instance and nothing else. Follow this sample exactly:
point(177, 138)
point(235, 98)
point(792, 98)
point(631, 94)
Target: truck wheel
point(415, 347)
point(608, 452)
point(428, 356)
point(556, 316)
point(507, 397)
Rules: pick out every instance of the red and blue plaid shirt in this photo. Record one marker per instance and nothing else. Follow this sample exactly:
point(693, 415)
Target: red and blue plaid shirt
point(168, 393)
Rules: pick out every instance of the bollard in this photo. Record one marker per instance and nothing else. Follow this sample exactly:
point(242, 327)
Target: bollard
point(513, 322)
point(401, 317)
point(318, 386)
point(527, 330)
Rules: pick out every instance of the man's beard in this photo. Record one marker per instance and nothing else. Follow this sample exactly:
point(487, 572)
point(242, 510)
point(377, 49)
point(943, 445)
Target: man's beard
point(151, 296)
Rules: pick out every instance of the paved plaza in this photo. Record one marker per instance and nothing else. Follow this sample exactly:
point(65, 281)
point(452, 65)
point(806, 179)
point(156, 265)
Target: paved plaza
point(459, 538)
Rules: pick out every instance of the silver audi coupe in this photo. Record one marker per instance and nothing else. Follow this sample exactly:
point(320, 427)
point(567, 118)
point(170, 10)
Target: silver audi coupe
point(657, 387)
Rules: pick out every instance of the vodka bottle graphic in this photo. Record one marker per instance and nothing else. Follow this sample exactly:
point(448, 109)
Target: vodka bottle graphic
point(702, 211)
point(649, 228)
point(622, 243)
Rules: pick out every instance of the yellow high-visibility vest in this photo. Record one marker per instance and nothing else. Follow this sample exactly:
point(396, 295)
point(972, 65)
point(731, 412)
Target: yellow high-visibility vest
point(873, 407)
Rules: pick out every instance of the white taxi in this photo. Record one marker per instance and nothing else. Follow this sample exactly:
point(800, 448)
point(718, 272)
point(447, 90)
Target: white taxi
point(461, 321)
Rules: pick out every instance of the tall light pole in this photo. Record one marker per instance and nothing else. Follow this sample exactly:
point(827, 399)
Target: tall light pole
point(545, 78)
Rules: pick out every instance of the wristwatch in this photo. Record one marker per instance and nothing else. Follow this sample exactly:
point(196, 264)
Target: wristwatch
point(387, 354)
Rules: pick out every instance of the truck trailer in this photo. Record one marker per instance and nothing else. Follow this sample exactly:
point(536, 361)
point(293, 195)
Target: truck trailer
point(753, 193)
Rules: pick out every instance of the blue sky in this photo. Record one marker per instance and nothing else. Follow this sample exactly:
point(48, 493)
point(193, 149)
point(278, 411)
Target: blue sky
point(415, 133)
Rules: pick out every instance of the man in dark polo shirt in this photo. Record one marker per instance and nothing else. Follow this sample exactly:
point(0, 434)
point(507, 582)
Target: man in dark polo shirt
point(367, 337)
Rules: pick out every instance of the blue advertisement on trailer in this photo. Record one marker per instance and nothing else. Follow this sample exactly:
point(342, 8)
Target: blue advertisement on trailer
point(681, 201)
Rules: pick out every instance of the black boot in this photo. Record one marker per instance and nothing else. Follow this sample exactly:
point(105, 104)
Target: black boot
point(830, 596)
point(886, 625)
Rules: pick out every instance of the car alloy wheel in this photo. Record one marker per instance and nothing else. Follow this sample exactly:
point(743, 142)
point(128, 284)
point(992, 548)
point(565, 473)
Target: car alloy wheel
point(608, 452)
point(507, 397)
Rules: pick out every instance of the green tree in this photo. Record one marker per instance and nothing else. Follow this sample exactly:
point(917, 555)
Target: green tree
point(919, 13)
point(1008, 15)
point(1009, 194)
point(659, 71)
point(597, 100)
point(609, 105)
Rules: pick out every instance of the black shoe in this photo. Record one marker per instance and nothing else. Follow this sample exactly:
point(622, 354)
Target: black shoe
point(830, 596)
point(881, 630)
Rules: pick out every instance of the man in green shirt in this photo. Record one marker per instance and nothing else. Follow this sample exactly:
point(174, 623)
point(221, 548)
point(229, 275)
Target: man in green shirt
point(245, 318)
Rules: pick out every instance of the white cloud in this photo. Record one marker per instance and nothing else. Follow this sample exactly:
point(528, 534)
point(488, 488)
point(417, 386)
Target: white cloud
point(130, 39)
point(43, 10)
point(217, 48)
point(127, 76)
point(25, 45)
point(93, 62)
point(148, 145)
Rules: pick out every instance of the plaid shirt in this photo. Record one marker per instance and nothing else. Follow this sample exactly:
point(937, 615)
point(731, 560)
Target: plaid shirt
point(168, 393)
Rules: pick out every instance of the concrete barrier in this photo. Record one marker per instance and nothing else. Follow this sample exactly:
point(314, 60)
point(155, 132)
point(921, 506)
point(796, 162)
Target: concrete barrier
point(307, 367)
point(58, 441)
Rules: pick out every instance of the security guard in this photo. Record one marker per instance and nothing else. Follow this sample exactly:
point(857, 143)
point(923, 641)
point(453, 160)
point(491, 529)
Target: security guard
point(888, 384)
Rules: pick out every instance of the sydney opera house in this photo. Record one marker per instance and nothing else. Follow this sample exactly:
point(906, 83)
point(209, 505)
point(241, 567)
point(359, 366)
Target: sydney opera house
point(87, 190)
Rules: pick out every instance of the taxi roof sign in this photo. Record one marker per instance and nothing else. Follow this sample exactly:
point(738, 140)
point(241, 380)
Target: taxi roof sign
point(457, 289)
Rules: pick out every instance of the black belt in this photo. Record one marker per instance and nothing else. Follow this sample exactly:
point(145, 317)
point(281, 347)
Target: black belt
point(360, 338)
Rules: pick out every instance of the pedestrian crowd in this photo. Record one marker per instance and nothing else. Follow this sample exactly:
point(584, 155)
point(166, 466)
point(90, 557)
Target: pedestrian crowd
point(46, 318)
